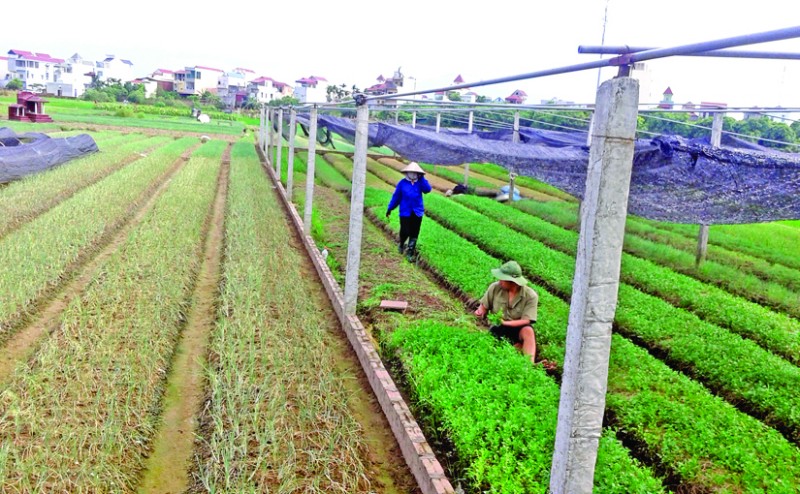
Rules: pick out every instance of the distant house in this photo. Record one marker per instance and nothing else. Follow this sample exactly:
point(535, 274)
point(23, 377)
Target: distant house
point(5, 75)
point(312, 89)
point(518, 97)
point(114, 68)
point(385, 87)
point(165, 79)
point(266, 89)
point(666, 100)
point(464, 94)
point(32, 68)
point(197, 80)
point(710, 105)
point(72, 77)
point(150, 86)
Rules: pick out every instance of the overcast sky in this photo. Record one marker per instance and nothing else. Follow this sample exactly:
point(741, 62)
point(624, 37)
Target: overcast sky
point(353, 42)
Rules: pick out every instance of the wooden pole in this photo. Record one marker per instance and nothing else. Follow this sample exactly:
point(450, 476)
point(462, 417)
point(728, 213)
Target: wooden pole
point(356, 211)
point(290, 159)
point(312, 156)
point(595, 288)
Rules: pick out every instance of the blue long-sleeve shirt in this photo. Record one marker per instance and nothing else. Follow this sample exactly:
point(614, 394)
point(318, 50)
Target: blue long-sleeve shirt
point(409, 197)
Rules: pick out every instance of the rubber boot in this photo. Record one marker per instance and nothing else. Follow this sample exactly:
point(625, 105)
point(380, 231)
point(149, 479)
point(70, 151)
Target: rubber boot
point(411, 252)
point(401, 247)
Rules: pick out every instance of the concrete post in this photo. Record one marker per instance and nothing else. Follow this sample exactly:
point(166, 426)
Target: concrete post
point(438, 122)
point(261, 121)
point(356, 211)
point(414, 120)
point(515, 135)
point(312, 156)
point(290, 159)
point(595, 288)
point(702, 235)
point(268, 143)
point(469, 130)
point(397, 117)
point(279, 145)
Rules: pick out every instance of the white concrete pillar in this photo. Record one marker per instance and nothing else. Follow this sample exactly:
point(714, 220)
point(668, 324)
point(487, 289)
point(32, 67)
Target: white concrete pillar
point(515, 135)
point(702, 235)
point(290, 159)
point(438, 122)
point(279, 145)
point(268, 146)
point(414, 120)
point(595, 288)
point(356, 211)
point(312, 157)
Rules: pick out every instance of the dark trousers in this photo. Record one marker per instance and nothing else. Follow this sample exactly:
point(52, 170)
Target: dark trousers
point(409, 227)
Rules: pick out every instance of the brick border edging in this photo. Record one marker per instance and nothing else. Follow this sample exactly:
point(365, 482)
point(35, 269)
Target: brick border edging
point(418, 454)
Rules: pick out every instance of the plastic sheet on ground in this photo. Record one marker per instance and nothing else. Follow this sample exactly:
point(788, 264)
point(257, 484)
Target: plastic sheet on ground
point(32, 152)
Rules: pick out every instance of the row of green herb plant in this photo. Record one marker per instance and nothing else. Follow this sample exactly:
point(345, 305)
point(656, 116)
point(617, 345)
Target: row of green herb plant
point(177, 124)
point(39, 255)
point(36, 193)
point(78, 417)
point(761, 282)
point(735, 367)
point(277, 415)
point(772, 330)
point(680, 426)
point(500, 173)
point(498, 412)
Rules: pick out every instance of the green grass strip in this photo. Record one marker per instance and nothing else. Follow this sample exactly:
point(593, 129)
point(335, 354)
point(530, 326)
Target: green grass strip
point(35, 257)
point(79, 415)
point(500, 173)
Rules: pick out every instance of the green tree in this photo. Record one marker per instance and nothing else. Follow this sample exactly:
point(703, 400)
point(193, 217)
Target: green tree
point(14, 85)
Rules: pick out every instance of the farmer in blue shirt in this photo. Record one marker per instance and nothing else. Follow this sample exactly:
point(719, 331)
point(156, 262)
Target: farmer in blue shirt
point(408, 195)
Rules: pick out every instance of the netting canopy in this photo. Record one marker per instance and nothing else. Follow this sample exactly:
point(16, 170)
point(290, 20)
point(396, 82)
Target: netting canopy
point(32, 152)
point(673, 179)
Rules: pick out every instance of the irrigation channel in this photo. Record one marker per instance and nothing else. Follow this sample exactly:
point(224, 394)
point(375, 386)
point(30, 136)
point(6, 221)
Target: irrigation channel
point(163, 331)
point(704, 368)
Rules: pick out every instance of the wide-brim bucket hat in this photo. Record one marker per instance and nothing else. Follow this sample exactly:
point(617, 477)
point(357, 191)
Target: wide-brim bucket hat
point(510, 271)
point(413, 167)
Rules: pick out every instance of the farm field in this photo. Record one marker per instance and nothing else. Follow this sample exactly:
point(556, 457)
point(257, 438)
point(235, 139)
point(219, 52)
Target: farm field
point(135, 357)
point(157, 287)
point(698, 353)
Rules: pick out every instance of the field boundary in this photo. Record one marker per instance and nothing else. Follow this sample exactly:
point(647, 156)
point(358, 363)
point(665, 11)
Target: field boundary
point(418, 454)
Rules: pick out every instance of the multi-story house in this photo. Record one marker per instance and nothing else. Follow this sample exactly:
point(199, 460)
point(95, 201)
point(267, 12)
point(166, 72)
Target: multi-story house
point(35, 70)
point(197, 80)
point(385, 87)
point(5, 75)
point(518, 97)
point(114, 68)
point(266, 89)
point(72, 77)
point(165, 79)
point(311, 90)
point(232, 86)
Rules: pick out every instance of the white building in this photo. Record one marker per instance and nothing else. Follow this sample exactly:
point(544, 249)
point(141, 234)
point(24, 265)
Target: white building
point(197, 80)
point(35, 70)
point(311, 89)
point(72, 77)
point(5, 75)
point(114, 68)
point(266, 89)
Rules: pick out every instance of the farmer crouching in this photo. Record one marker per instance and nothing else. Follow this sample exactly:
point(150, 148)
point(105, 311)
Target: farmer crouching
point(516, 304)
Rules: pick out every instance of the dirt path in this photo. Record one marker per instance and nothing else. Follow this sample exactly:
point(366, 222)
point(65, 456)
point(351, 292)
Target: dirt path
point(167, 469)
point(21, 344)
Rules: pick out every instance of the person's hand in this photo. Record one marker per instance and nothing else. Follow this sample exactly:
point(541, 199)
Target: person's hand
point(388, 213)
point(480, 311)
